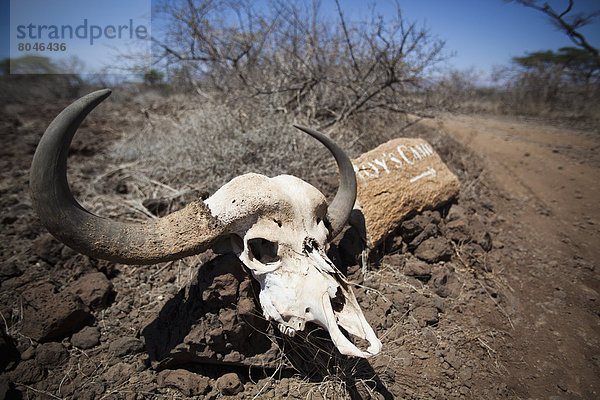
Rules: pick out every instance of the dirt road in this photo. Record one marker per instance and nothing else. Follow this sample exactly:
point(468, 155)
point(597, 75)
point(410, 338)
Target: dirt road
point(548, 180)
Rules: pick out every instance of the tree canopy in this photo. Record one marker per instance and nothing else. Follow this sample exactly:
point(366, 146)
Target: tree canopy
point(577, 64)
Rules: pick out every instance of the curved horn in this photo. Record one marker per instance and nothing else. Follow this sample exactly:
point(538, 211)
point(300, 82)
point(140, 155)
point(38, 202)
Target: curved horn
point(182, 233)
point(340, 208)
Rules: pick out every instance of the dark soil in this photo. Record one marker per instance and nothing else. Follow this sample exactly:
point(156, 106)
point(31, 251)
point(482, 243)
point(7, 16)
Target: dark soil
point(459, 296)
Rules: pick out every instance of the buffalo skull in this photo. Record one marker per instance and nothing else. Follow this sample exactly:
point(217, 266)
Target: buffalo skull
point(278, 227)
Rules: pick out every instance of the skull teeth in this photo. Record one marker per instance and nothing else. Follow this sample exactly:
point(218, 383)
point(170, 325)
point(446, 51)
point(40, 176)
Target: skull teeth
point(286, 330)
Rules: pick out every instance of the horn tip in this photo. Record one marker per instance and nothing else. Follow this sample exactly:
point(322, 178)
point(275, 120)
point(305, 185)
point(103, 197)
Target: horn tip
point(311, 132)
point(103, 92)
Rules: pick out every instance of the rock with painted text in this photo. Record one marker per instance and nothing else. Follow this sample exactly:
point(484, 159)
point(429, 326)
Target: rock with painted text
point(397, 179)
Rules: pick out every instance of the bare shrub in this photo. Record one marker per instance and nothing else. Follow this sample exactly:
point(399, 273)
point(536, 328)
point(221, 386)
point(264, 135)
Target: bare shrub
point(185, 142)
point(180, 144)
point(297, 60)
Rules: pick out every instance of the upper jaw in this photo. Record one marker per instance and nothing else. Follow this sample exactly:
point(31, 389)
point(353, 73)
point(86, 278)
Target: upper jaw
point(313, 303)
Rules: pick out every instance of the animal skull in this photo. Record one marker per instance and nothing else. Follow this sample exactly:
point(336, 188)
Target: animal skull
point(279, 228)
point(285, 249)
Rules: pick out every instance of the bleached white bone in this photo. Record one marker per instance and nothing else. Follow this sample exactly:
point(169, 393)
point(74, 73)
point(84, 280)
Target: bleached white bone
point(298, 282)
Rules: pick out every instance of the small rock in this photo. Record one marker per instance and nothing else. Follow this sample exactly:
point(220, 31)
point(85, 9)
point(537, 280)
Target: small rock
point(451, 358)
point(418, 269)
point(445, 282)
point(439, 303)
point(429, 231)
point(93, 289)
point(458, 230)
point(465, 230)
point(86, 338)
point(465, 374)
point(215, 338)
point(497, 244)
point(480, 234)
point(51, 316)
point(396, 244)
point(455, 212)
point(67, 389)
point(187, 382)
point(430, 336)
point(282, 389)
point(9, 269)
point(246, 307)
point(230, 384)
point(224, 288)
point(119, 372)
point(126, 345)
point(51, 354)
point(411, 228)
point(434, 216)
point(146, 378)
point(228, 319)
point(405, 359)
point(425, 315)
point(434, 249)
point(27, 372)
point(47, 248)
point(234, 357)
point(28, 354)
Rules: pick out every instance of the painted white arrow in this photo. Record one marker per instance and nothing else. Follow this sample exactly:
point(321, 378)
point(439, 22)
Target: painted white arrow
point(430, 171)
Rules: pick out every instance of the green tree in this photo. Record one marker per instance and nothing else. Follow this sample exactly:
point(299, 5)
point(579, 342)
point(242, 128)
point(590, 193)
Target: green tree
point(567, 79)
point(576, 65)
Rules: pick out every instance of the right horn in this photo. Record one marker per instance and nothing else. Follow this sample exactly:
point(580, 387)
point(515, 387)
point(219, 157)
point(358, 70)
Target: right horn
point(188, 231)
point(340, 208)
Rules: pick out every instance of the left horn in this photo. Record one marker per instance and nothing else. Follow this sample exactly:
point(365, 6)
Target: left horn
point(188, 231)
point(340, 208)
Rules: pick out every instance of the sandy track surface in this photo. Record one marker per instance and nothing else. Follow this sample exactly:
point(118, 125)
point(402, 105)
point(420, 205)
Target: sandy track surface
point(549, 183)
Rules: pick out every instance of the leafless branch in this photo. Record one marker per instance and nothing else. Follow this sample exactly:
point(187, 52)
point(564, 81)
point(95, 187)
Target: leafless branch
point(299, 60)
point(570, 26)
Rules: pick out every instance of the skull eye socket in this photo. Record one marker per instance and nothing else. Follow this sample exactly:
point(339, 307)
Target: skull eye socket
point(263, 250)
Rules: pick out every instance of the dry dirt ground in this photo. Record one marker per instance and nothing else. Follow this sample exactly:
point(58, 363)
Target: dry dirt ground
point(493, 296)
point(549, 180)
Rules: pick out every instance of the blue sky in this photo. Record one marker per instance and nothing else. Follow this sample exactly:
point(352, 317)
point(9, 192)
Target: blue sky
point(481, 33)
point(96, 32)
